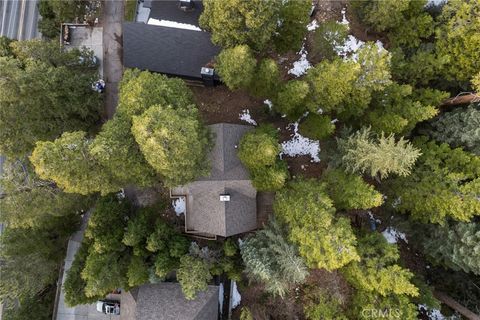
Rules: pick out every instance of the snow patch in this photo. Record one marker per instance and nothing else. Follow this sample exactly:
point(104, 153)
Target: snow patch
point(435, 2)
point(299, 145)
point(300, 66)
point(236, 297)
point(220, 297)
point(392, 235)
point(344, 17)
point(433, 314)
point(269, 104)
point(173, 24)
point(179, 206)
point(350, 47)
point(245, 116)
point(312, 25)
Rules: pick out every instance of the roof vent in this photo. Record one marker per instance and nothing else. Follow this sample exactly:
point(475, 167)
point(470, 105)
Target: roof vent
point(186, 5)
point(224, 197)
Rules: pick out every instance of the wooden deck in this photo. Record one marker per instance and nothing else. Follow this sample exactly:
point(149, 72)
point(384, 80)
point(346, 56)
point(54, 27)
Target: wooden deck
point(264, 207)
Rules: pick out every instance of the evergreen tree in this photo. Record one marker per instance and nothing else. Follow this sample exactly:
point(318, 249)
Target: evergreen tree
point(236, 67)
point(459, 248)
point(459, 128)
point(392, 306)
point(290, 99)
point(193, 275)
point(327, 38)
point(316, 126)
point(270, 259)
point(259, 148)
point(378, 271)
point(322, 305)
point(349, 191)
point(174, 143)
point(291, 30)
point(266, 80)
point(270, 178)
point(377, 156)
point(444, 184)
point(323, 240)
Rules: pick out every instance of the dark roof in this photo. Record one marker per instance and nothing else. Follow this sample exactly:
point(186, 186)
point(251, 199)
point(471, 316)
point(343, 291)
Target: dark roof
point(165, 301)
point(205, 212)
point(169, 10)
point(171, 51)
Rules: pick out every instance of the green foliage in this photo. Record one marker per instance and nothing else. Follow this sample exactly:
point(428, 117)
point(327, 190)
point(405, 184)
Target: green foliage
point(259, 148)
point(324, 242)
point(266, 80)
point(377, 270)
point(246, 314)
point(236, 22)
point(391, 307)
point(138, 272)
point(291, 98)
point(349, 191)
point(193, 275)
point(293, 18)
point(476, 82)
point(459, 128)
point(458, 39)
point(5, 49)
point(230, 249)
point(270, 259)
point(374, 67)
point(379, 156)
point(139, 228)
point(327, 38)
point(445, 183)
point(327, 89)
point(270, 178)
point(321, 305)
point(174, 143)
point(236, 66)
point(459, 248)
point(316, 127)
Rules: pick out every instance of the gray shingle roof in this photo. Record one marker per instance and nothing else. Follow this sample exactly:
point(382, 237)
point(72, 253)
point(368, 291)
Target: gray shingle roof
point(171, 51)
point(205, 212)
point(169, 10)
point(165, 301)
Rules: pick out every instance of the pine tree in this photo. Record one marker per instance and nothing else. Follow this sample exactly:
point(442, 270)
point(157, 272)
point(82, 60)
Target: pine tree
point(377, 156)
point(259, 148)
point(236, 67)
point(291, 30)
point(290, 99)
point(266, 80)
point(269, 258)
point(193, 276)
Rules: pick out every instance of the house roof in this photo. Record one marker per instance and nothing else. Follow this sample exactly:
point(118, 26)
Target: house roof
point(205, 213)
point(167, 50)
point(169, 10)
point(165, 301)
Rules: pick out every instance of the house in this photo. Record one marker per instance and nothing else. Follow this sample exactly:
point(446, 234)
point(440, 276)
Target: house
point(170, 42)
point(223, 203)
point(165, 301)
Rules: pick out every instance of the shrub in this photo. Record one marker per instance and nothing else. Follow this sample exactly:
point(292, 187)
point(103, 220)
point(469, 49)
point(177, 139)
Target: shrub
point(291, 98)
point(317, 126)
point(193, 276)
point(236, 67)
point(266, 80)
point(270, 178)
point(259, 148)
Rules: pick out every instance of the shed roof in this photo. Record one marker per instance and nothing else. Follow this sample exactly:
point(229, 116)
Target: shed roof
point(165, 301)
point(205, 212)
point(167, 50)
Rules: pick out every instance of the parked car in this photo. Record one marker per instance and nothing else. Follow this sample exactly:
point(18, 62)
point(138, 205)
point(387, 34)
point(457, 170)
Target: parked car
point(108, 307)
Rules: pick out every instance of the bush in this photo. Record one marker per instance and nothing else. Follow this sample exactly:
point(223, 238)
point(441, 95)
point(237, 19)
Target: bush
point(317, 127)
point(322, 305)
point(326, 38)
point(291, 97)
point(259, 148)
point(236, 67)
point(138, 272)
point(270, 178)
point(266, 80)
point(193, 276)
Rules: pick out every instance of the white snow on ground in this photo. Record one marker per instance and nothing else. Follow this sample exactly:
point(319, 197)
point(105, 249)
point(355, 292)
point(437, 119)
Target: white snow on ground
point(236, 297)
point(312, 25)
point(143, 13)
point(220, 297)
point(299, 145)
point(269, 104)
point(344, 17)
point(179, 205)
point(173, 24)
point(245, 116)
point(392, 235)
point(370, 215)
point(435, 2)
point(300, 66)
point(433, 314)
point(350, 46)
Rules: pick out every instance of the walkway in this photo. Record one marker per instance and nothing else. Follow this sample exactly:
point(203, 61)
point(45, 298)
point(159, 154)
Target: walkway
point(113, 12)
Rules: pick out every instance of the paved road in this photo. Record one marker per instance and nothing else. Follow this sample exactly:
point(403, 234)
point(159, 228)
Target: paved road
point(113, 12)
point(18, 19)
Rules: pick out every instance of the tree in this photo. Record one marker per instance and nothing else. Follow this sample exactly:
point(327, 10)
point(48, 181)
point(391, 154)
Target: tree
point(138, 272)
point(236, 22)
point(270, 178)
point(259, 148)
point(377, 270)
point(40, 101)
point(374, 67)
point(270, 259)
point(323, 241)
point(236, 67)
point(174, 143)
point(67, 162)
point(364, 303)
point(459, 128)
point(327, 38)
point(476, 82)
point(322, 305)
point(316, 126)
point(458, 38)
point(291, 97)
point(266, 80)
point(444, 184)
point(349, 191)
point(193, 275)
point(293, 18)
point(378, 156)
point(5, 49)
point(327, 89)
point(459, 248)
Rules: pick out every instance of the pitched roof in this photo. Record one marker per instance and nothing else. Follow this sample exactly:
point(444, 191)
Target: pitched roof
point(165, 301)
point(169, 10)
point(167, 50)
point(205, 212)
